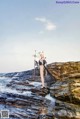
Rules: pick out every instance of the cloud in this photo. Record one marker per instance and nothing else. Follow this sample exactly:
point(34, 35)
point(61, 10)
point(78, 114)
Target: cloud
point(49, 26)
point(42, 19)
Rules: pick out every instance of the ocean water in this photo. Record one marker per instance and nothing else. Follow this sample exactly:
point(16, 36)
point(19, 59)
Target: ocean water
point(3, 82)
point(4, 89)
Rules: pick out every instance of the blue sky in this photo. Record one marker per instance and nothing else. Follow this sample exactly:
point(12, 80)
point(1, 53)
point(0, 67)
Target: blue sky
point(42, 25)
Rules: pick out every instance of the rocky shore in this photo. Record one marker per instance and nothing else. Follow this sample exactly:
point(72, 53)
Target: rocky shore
point(66, 87)
point(22, 95)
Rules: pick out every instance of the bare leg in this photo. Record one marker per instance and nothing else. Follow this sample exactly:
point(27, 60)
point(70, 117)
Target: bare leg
point(42, 74)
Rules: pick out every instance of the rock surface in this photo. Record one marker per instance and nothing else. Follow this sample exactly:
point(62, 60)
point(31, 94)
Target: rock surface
point(22, 95)
point(61, 70)
point(67, 85)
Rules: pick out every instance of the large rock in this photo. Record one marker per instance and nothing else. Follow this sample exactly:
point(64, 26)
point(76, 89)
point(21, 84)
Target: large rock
point(67, 85)
point(21, 94)
point(64, 110)
point(61, 70)
point(67, 91)
point(25, 99)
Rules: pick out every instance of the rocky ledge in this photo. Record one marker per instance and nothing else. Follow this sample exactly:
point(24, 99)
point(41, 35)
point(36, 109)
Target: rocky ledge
point(22, 95)
point(67, 83)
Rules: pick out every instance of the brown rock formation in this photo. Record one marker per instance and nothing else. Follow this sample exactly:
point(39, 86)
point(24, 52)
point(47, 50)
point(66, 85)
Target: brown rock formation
point(66, 87)
point(61, 70)
point(67, 75)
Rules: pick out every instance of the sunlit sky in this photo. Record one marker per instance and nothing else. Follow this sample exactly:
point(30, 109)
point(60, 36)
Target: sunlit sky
point(41, 25)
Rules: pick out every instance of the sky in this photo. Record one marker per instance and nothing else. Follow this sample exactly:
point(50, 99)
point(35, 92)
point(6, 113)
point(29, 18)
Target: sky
point(41, 25)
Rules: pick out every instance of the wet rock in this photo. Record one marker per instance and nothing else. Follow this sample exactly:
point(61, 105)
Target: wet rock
point(48, 116)
point(28, 85)
point(66, 88)
point(25, 99)
point(29, 105)
point(10, 74)
point(65, 110)
point(42, 92)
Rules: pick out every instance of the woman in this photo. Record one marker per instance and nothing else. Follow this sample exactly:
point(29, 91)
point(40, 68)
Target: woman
point(42, 63)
